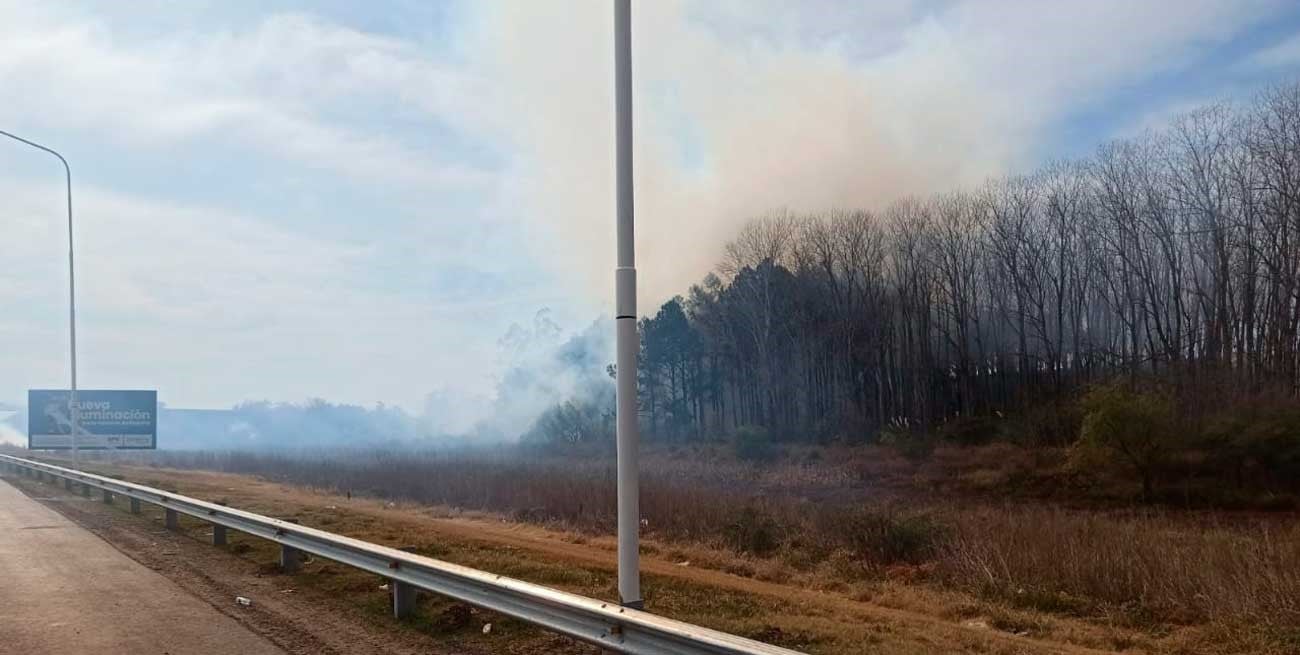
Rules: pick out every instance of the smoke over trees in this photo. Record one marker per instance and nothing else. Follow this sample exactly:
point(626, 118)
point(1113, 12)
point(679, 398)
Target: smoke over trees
point(1173, 254)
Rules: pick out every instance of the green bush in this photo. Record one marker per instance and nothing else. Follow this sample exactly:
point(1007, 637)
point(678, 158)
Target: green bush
point(1131, 429)
point(1261, 436)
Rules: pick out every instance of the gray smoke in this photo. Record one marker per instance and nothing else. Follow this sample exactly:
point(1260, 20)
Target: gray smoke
point(540, 369)
point(13, 427)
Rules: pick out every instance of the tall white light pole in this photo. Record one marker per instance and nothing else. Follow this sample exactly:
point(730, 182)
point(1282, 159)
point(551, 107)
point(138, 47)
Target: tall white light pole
point(74, 410)
point(629, 510)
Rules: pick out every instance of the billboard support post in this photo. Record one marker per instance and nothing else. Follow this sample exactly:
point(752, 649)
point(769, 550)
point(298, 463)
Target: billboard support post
point(73, 409)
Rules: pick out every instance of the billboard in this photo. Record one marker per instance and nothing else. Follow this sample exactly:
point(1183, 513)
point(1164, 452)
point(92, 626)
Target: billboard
point(106, 419)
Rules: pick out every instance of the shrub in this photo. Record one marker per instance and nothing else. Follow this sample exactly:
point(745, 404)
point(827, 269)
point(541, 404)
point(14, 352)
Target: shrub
point(1049, 423)
point(1133, 429)
point(970, 430)
point(888, 538)
point(754, 444)
point(752, 531)
point(1263, 434)
point(914, 445)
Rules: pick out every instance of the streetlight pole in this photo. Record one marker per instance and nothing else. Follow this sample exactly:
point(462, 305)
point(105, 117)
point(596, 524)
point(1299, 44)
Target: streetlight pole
point(629, 511)
point(74, 409)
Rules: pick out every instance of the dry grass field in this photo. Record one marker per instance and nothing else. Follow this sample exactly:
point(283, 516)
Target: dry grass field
point(827, 552)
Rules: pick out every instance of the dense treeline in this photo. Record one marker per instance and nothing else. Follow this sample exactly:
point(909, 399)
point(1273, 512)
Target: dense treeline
point(1175, 254)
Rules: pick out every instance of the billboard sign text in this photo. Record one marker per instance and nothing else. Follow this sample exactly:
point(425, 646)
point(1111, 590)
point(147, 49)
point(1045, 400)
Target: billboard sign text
point(106, 419)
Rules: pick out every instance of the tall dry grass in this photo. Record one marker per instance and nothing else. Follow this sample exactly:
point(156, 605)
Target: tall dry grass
point(1143, 564)
point(824, 517)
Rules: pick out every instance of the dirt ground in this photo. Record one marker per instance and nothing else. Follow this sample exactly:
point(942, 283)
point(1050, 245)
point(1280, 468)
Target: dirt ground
point(328, 608)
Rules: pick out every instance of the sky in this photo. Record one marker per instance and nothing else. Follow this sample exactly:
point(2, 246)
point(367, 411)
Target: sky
point(357, 201)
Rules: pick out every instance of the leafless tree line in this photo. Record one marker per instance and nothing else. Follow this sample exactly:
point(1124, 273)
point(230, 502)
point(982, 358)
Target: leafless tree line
point(1175, 253)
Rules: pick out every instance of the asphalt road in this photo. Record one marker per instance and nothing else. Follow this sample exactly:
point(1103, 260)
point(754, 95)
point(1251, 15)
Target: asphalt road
point(64, 591)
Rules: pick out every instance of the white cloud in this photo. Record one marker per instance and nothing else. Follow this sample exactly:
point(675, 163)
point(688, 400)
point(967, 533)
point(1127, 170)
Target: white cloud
point(1284, 54)
point(276, 88)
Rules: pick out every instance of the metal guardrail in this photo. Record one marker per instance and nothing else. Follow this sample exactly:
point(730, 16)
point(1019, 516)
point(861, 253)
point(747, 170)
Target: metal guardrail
point(604, 624)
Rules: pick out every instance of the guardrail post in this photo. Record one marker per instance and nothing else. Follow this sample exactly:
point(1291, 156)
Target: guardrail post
point(290, 559)
point(85, 490)
point(67, 484)
point(218, 535)
point(171, 520)
point(135, 505)
point(108, 497)
point(403, 598)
